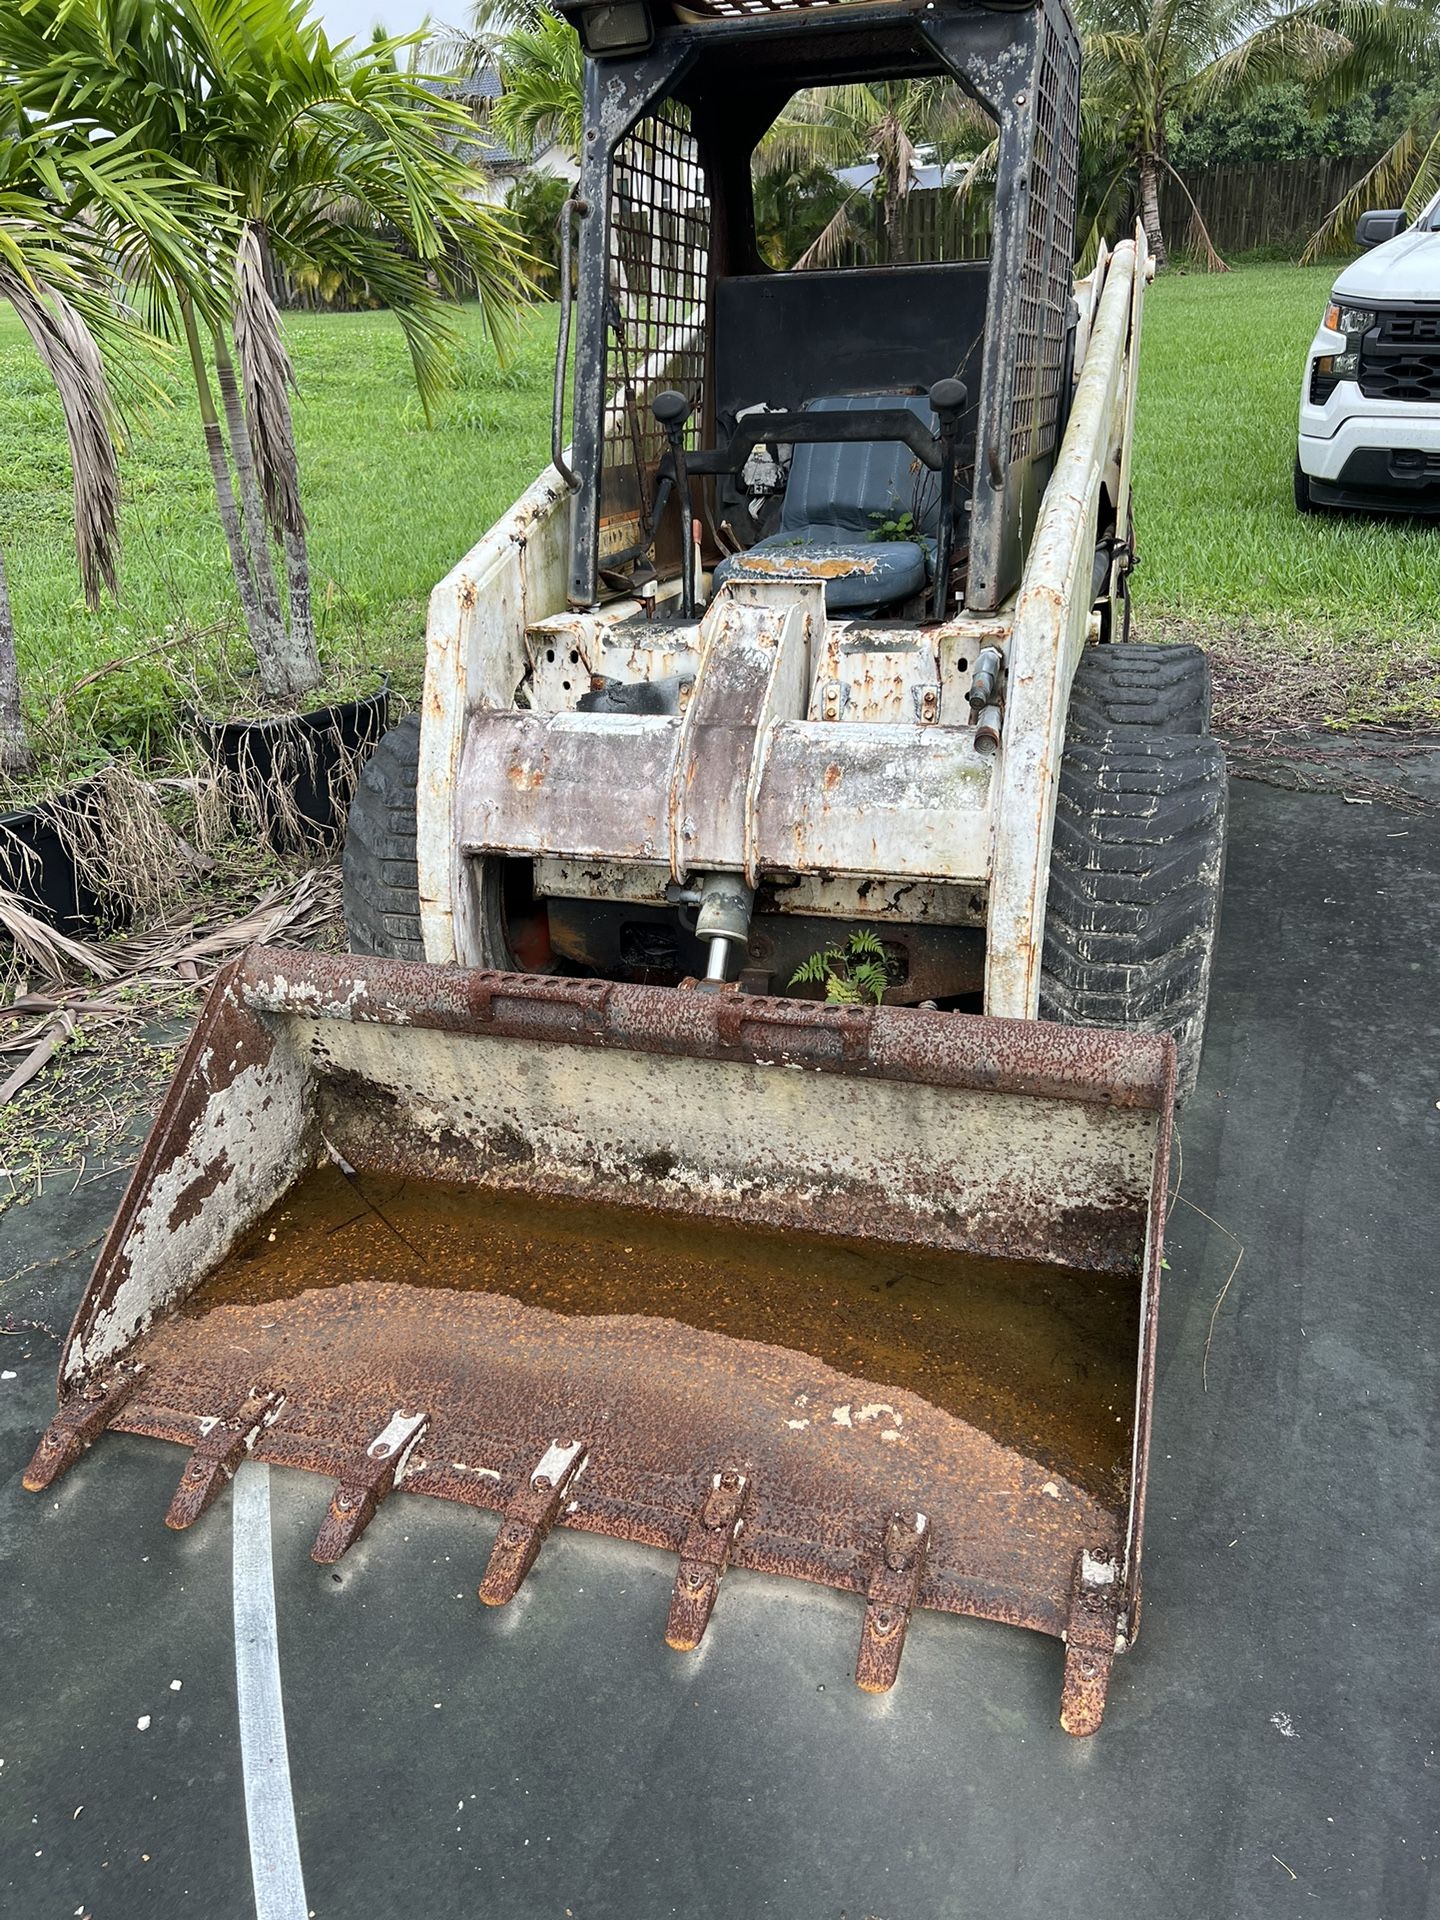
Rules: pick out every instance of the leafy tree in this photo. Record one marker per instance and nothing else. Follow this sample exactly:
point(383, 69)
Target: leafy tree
point(535, 201)
point(793, 206)
point(1150, 63)
point(1406, 175)
point(1279, 123)
point(326, 159)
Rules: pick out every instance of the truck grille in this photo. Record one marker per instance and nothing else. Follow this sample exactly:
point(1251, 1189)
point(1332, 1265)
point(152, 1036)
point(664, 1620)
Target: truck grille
point(1400, 356)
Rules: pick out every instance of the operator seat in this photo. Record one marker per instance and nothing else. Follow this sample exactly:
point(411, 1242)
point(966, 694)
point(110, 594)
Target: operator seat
point(837, 496)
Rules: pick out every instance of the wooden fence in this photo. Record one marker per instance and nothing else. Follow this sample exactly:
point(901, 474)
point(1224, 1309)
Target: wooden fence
point(1273, 203)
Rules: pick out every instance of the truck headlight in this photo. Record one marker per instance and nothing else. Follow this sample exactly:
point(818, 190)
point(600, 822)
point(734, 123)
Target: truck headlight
point(1348, 320)
point(1331, 368)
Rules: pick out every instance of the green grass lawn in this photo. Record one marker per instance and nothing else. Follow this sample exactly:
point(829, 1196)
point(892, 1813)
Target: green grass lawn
point(392, 504)
point(1310, 618)
point(1318, 616)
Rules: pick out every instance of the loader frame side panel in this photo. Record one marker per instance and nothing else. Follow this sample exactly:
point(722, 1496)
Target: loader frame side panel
point(474, 661)
point(1052, 618)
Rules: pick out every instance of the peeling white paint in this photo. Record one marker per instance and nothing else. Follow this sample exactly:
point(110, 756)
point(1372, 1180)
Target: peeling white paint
point(248, 1144)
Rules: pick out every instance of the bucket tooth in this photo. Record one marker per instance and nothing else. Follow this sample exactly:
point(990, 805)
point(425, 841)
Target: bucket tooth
point(531, 1514)
point(83, 1417)
point(890, 1599)
point(376, 1474)
point(222, 1446)
point(714, 1529)
point(1090, 1631)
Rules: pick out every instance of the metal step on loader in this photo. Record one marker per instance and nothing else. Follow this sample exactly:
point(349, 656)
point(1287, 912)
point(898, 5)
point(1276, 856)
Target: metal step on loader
point(593, 1188)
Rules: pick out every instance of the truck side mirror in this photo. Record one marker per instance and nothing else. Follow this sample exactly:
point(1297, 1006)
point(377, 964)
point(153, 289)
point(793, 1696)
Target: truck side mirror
point(1371, 229)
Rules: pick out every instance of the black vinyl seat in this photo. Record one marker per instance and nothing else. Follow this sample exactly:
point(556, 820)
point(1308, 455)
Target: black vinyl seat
point(838, 497)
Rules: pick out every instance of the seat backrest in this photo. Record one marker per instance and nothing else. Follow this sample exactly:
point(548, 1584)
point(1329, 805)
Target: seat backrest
point(849, 487)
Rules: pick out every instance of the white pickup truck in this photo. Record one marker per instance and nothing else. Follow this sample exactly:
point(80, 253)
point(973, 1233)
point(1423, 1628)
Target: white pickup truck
point(1370, 402)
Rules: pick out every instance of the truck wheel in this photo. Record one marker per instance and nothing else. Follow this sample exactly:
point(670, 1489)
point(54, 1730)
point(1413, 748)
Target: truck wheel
point(1304, 502)
point(380, 885)
point(1136, 684)
point(1134, 899)
point(380, 877)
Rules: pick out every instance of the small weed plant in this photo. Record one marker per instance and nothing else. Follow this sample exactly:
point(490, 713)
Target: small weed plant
point(853, 972)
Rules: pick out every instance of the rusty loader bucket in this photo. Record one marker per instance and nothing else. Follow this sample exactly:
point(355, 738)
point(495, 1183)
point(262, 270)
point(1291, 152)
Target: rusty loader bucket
point(858, 1296)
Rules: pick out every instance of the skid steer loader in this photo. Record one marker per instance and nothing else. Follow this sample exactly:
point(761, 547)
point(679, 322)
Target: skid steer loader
point(558, 1197)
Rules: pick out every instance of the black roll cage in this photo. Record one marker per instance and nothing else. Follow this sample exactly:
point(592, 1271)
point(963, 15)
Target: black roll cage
point(734, 76)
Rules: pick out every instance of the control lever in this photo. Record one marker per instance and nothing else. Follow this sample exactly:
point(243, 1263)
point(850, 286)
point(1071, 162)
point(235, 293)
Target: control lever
point(671, 411)
point(948, 398)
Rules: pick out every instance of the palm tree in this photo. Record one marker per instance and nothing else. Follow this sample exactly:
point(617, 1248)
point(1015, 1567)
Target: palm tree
point(887, 123)
point(1150, 62)
point(1407, 174)
point(541, 70)
point(57, 278)
point(492, 22)
point(327, 160)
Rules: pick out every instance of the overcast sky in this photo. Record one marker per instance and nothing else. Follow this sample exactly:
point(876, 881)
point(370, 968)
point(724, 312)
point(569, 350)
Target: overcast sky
point(354, 19)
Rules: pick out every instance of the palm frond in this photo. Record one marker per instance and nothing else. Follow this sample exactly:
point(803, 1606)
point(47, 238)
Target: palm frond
point(1384, 185)
point(269, 380)
point(70, 354)
point(541, 69)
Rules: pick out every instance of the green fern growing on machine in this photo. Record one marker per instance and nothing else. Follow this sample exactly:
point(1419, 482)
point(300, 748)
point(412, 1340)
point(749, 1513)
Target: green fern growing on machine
point(850, 973)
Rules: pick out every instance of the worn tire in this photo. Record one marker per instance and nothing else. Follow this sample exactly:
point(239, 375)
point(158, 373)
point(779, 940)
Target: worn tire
point(1305, 501)
point(1133, 907)
point(380, 873)
point(1137, 684)
point(380, 882)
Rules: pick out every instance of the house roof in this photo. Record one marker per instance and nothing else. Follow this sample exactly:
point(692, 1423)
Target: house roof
point(476, 90)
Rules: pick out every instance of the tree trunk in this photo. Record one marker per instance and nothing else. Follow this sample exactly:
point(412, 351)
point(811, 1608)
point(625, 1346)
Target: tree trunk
point(15, 755)
point(892, 207)
point(1150, 209)
point(257, 532)
point(260, 630)
point(302, 620)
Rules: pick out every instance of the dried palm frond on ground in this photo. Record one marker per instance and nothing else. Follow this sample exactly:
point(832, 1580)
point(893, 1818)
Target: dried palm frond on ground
point(106, 1003)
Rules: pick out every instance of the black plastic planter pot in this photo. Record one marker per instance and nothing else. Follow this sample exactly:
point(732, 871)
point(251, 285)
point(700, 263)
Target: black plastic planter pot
point(38, 866)
point(294, 774)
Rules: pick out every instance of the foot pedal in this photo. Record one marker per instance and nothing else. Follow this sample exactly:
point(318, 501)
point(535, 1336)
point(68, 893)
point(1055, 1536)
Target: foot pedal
point(528, 1519)
point(222, 1446)
point(890, 1600)
point(1090, 1629)
point(704, 1558)
point(83, 1417)
point(375, 1476)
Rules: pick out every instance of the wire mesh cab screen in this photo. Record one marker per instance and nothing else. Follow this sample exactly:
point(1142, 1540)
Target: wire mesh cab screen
point(659, 266)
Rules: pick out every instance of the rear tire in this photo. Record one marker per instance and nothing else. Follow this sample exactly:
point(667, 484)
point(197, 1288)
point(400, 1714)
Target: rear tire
point(1134, 899)
point(380, 879)
point(1138, 684)
point(379, 876)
